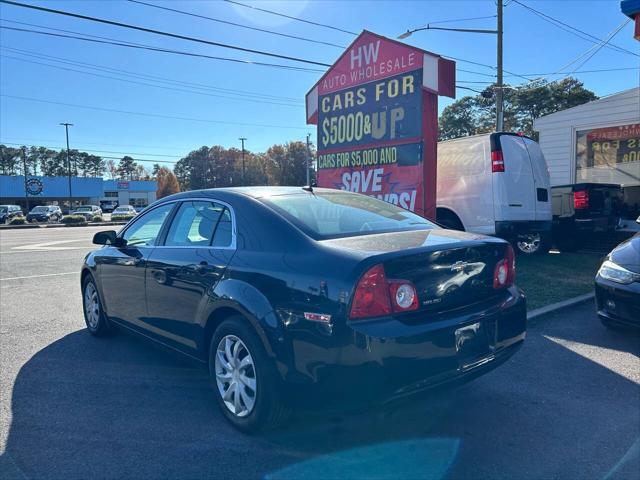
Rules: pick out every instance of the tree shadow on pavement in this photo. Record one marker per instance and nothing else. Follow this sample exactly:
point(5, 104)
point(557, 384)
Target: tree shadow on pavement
point(117, 407)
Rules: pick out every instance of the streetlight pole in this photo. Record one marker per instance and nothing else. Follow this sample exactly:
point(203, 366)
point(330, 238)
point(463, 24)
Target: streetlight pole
point(66, 129)
point(498, 34)
point(26, 173)
point(242, 139)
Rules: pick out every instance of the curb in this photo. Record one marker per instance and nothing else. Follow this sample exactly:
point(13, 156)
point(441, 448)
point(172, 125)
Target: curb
point(538, 312)
point(59, 225)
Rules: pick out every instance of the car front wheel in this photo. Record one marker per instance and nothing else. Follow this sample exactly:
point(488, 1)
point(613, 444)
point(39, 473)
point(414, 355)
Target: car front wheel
point(246, 382)
point(94, 317)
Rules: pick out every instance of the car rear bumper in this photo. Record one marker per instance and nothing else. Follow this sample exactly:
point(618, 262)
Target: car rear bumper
point(387, 358)
point(512, 229)
point(617, 302)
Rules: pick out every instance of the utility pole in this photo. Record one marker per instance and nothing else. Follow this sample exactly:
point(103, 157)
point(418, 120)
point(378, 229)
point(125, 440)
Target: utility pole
point(24, 169)
point(499, 86)
point(308, 161)
point(66, 129)
point(242, 139)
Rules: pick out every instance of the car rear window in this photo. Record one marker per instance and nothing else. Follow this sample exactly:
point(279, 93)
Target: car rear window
point(324, 215)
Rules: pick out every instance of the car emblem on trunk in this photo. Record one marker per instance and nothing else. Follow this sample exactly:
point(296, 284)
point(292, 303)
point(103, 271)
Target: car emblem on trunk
point(459, 266)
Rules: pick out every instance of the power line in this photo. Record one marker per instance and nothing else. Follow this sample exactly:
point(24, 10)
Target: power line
point(96, 151)
point(573, 30)
point(456, 20)
point(586, 71)
point(252, 100)
point(226, 22)
point(162, 50)
point(42, 140)
point(146, 114)
point(291, 17)
point(33, 54)
point(599, 47)
point(162, 33)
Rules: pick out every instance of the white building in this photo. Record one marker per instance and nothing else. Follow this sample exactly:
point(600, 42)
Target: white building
point(598, 142)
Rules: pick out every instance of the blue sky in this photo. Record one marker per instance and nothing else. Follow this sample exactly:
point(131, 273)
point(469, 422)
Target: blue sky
point(273, 110)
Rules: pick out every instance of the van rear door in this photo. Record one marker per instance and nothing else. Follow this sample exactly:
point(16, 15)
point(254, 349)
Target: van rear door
point(541, 180)
point(514, 190)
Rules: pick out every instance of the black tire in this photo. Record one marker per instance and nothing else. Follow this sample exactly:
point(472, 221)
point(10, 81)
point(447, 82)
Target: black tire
point(268, 410)
point(98, 326)
point(450, 221)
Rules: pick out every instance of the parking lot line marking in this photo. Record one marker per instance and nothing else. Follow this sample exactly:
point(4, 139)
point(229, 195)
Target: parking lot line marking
point(38, 276)
point(50, 245)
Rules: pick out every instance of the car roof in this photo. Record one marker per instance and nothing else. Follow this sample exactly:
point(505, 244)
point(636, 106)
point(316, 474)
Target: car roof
point(259, 191)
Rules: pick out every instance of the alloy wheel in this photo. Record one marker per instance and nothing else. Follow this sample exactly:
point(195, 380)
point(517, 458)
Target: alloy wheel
point(235, 376)
point(529, 243)
point(91, 305)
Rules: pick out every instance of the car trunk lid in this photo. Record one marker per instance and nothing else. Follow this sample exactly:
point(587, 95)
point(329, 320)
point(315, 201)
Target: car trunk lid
point(449, 269)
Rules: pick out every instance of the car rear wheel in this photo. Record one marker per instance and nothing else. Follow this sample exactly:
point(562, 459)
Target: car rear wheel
point(246, 383)
point(94, 317)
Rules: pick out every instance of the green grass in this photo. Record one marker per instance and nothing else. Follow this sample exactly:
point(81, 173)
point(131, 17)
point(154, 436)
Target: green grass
point(552, 278)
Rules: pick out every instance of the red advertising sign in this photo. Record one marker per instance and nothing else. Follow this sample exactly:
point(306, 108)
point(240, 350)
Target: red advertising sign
point(376, 111)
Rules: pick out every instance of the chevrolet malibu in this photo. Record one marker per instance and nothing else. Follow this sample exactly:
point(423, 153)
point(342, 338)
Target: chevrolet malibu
point(289, 294)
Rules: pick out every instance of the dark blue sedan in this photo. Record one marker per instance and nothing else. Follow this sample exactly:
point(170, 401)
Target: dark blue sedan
point(290, 295)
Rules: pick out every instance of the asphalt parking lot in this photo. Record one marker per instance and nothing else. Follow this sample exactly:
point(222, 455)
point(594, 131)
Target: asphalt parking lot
point(73, 406)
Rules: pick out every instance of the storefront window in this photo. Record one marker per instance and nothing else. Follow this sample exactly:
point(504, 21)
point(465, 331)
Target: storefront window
point(609, 155)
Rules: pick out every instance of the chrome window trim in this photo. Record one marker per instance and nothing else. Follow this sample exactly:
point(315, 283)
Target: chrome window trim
point(233, 245)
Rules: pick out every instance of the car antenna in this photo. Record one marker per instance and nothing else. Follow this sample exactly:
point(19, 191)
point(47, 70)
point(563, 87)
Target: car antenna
point(309, 188)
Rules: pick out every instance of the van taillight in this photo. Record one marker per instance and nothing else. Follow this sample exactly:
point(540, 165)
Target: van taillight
point(581, 200)
point(376, 296)
point(497, 161)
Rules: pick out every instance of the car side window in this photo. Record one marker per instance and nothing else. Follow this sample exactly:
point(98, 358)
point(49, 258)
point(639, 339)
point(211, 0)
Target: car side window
point(145, 230)
point(193, 225)
point(223, 236)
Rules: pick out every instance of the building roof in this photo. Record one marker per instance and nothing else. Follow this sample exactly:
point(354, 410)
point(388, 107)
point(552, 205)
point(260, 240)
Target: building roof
point(626, 96)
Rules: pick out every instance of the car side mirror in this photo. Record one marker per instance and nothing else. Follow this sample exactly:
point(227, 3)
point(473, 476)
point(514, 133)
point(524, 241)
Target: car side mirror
point(109, 237)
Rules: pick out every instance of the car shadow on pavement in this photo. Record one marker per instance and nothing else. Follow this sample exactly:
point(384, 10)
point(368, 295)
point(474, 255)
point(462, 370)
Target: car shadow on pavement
point(117, 407)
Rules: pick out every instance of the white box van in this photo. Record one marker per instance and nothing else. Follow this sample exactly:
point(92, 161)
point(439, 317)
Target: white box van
point(495, 184)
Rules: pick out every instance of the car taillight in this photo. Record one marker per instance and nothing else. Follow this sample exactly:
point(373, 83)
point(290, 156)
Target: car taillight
point(403, 296)
point(497, 161)
point(376, 296)
point(581, 200)
point(504, 274)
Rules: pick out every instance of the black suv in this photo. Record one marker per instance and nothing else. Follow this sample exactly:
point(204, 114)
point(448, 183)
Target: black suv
point(44, 213)
point(7, 212)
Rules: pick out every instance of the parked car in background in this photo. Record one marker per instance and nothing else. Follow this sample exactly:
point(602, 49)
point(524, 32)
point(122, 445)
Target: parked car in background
point(45, 213)
point(124, 210)
point(292, 294)
point(7, 212)
point(108, 206)
point(581, 210)
point(618, 285)
point(88, 211)
point(495, 184)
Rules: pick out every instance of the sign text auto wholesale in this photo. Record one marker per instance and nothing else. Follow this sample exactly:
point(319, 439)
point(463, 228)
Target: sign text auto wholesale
point(376, 111)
